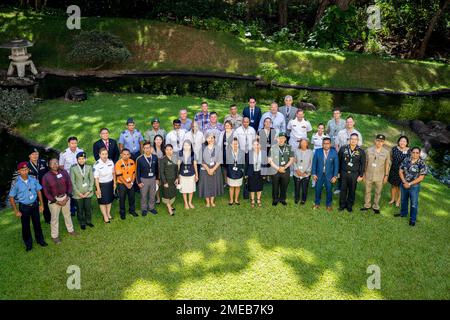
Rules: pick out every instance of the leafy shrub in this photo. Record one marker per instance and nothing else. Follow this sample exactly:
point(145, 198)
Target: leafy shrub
point(97, 48)
point(15, 106)
point(337, 28)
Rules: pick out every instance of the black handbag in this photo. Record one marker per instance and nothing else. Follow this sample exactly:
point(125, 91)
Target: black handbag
point(246, 194)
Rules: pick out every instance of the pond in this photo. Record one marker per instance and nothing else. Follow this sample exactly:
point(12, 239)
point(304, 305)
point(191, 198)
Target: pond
point(394, 107)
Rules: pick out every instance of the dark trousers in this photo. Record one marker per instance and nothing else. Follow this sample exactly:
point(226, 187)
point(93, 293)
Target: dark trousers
point(301, 186)
point(47, 214)
point(348, 189)
point(84, 212)
point(280, 182)
point(124, 192)
point(73, 206)
point(31, 213)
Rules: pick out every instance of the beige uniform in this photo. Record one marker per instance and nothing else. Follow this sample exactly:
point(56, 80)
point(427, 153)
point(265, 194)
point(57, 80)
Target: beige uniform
point(378, 165)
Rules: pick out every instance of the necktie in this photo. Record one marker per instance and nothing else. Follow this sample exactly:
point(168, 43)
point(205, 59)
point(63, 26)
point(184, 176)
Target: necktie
point(287, 111)
point(251, 114)
point(107, 145)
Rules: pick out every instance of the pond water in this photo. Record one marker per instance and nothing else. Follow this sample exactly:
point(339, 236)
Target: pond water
point(395, 107)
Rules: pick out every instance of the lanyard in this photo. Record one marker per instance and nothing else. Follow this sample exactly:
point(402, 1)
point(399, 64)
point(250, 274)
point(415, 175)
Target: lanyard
point(36, 169)
point(352, 153)
point(149, 162)
point(83, 172)
point(235, 157)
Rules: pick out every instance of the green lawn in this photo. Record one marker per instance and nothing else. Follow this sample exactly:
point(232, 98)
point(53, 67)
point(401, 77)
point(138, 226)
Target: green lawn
point(231, 252)
point(159, 46)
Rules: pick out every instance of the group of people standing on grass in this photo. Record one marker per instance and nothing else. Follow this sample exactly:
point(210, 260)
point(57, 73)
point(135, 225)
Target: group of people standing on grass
point(202, 155)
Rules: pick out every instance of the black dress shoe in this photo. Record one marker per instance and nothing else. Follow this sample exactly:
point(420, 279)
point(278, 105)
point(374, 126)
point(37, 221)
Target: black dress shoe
point(349, 209)
point(28, 249)
point(134, 214)
point(284, 203)
point(296, 201)
point(90, 225)
point(397, 215)
point(274, 203)
point(412, 224)
point(341, 209)
point(364, 209)
point(43, 244)
point(302, 202)
point(83, 227)
point(376, 211)
point(122, 217)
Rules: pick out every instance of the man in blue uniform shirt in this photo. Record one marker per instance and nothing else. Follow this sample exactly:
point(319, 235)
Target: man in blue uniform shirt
point(27, 192)
point(131, 139)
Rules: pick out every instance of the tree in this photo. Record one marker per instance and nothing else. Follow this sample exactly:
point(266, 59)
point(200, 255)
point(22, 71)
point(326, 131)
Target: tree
point(282, 13)
point(420, 53)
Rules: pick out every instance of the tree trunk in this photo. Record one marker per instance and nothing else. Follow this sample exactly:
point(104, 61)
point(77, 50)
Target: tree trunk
point(282, 13)
point(250, 6)
point(420, 53)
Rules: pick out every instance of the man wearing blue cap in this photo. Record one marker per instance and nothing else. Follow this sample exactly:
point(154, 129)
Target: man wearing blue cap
point(27, 192)
point(131, 139)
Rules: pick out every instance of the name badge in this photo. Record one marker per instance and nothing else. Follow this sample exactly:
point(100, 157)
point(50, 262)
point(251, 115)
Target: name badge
point(185, 171)
point(212, 163)
point(283, 163)
point(374, 165)
point(128, 179)
point(85, 184)
point(301, 168)
point(235, 168)
point(59, 175)
point(252, 121)
point(350, 164)
point(150, 174)
point(31, 197)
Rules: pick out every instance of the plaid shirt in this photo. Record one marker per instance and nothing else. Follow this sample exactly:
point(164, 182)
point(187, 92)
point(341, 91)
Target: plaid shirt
point(56, 184)
point(202, 120)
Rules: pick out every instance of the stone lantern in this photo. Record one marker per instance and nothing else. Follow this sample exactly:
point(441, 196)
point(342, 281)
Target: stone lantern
point(19, 57)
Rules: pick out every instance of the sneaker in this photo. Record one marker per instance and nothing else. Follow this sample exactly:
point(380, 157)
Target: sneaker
point(329, 209)
point(316, 206)
point(73, 233)
point(56, 240)
point(153, 211)
point(144, 213)
point(337, 191)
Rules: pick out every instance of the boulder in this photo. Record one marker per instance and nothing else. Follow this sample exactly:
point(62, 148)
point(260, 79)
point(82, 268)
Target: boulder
point(306, 106)
point(75, 94)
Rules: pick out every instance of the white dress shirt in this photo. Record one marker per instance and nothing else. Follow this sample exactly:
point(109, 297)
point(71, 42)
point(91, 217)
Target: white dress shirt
point(68, 158)
point(176, 139)
point(104, 170)
point(245, 137)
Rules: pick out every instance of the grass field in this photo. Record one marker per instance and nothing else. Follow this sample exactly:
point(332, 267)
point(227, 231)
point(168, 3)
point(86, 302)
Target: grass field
point(159, 46)
point(230, 252)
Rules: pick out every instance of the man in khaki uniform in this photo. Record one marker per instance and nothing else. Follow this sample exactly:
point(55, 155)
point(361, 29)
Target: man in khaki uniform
point(378, 163)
